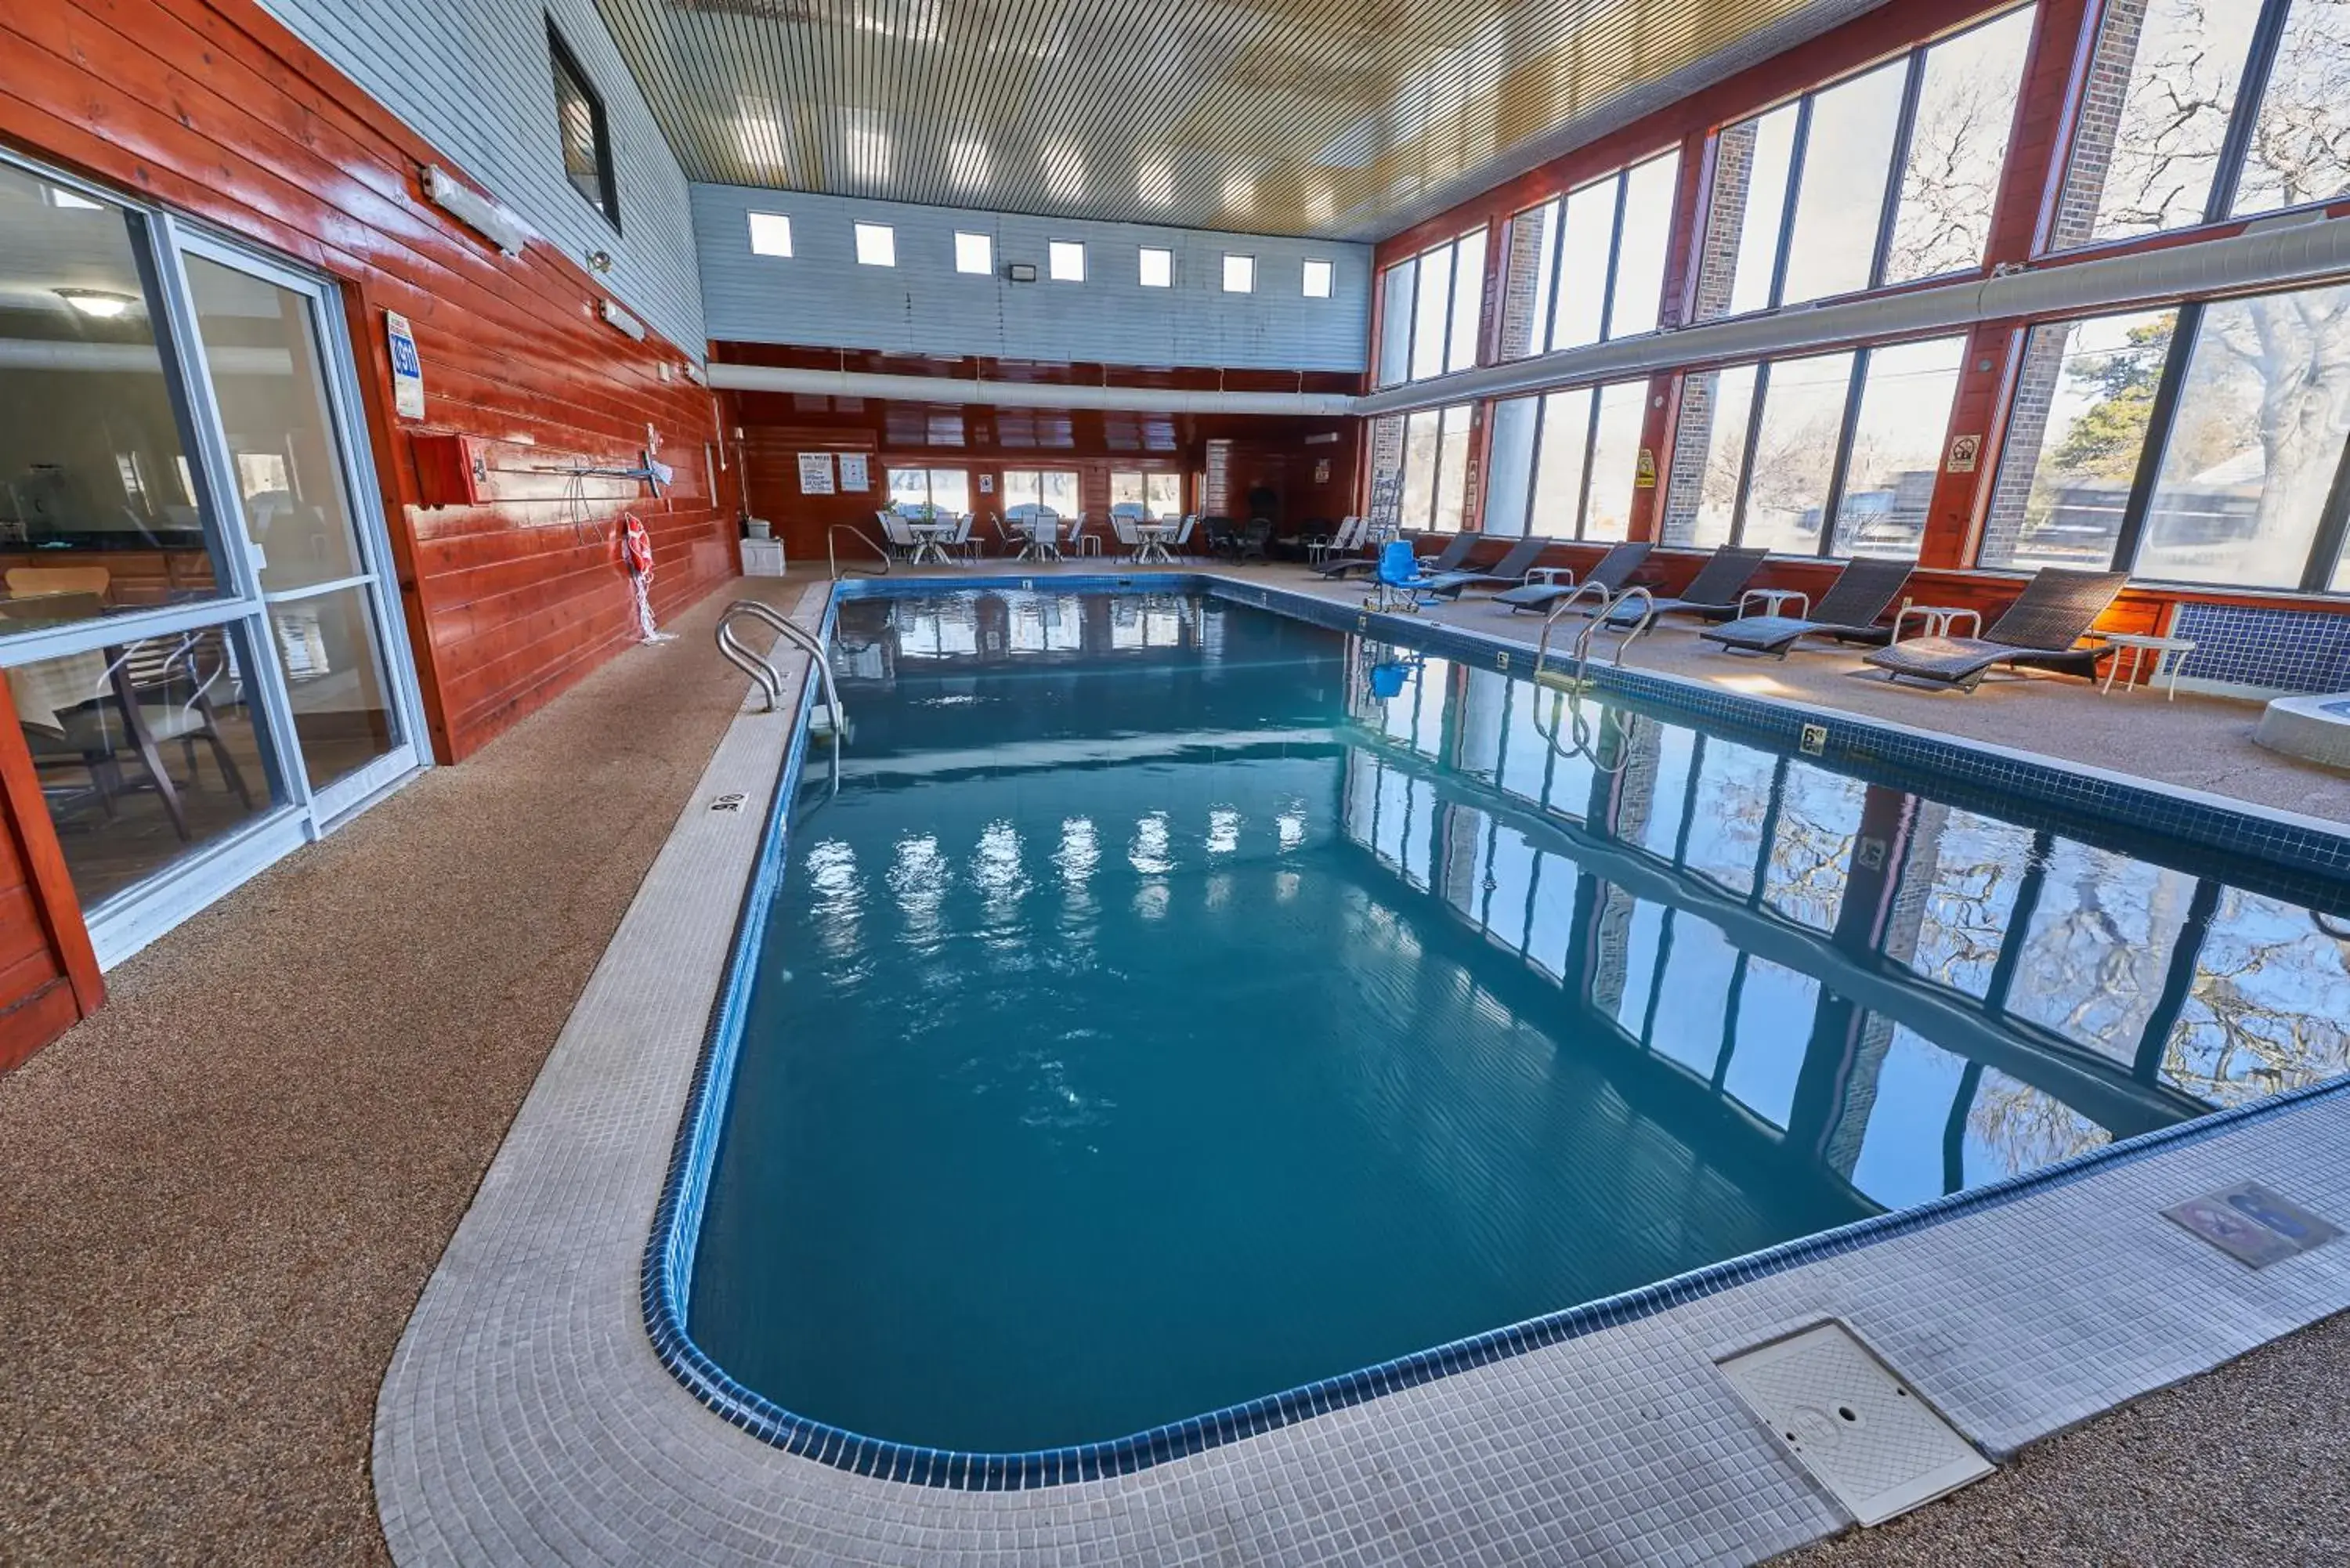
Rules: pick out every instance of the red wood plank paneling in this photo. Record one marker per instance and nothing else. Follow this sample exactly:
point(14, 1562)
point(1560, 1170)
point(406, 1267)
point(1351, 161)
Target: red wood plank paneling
point(213, 107)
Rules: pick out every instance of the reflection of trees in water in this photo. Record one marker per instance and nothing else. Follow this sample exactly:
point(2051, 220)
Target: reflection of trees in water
point(2099, 949)
point(1966, 919)
point(2024, 1129)
point(2267, 1008)
point(1811, 855)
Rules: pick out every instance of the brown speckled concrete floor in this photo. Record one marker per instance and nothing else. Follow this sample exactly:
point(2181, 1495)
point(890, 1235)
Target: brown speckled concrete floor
point(220, 1196)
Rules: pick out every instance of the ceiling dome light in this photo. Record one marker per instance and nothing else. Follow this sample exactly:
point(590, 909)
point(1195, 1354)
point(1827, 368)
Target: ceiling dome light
point(103, 302)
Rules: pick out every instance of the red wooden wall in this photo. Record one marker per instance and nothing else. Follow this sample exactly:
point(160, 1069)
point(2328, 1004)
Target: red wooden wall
point(211, 108)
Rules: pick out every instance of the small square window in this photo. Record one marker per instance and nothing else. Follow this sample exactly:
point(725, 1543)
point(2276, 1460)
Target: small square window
point(1069, 261)
point(1239, 273)
point(580, 125)
point(1318, 275)
point(1158, 267)
point(877, 245)
point(771, 235)
point(973, 253)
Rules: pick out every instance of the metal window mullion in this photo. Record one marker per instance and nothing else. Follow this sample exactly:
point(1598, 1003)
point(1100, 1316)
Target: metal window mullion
point(2160, 418)
point(1557, 271)
point(1798, 154)
point(1533, 466)
point(1614, 256)
point(2333, 531)
point(1904, 132)
point(1745, 487)
point(1590, 446)
point(1855, 387)
point(2236, 146)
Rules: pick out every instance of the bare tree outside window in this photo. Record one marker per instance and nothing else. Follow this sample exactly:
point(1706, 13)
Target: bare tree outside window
point(1966, 108)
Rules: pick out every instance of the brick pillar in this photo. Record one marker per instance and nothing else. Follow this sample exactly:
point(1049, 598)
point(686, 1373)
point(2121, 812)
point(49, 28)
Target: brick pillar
point(2000, 394)
point(1663, 432)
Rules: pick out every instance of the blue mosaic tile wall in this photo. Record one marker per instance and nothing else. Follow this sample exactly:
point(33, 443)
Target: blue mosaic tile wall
point(2285, 651)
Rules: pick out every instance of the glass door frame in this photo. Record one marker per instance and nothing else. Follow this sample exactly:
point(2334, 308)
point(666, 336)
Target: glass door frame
point(323, 808)
point(122, 923)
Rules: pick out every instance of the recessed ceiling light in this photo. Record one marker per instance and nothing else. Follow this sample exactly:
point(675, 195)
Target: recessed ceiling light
point(103, 302)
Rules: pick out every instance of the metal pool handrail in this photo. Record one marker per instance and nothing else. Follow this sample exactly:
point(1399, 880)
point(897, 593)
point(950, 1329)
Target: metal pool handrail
point(832, 557)
point(1606, 617)
point(1588, 585)
point(761, 670)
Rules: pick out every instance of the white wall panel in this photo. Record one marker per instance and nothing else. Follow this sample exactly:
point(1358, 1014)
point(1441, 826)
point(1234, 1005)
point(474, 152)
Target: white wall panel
point(821, 298)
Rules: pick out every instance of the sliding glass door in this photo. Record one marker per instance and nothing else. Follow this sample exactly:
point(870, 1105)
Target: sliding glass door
point(198, 631)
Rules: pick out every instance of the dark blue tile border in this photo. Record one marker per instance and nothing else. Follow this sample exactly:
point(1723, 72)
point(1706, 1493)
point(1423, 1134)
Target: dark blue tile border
point(666, 1280)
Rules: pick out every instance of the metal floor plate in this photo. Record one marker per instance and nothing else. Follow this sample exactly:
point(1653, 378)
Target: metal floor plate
point(1866, 1435)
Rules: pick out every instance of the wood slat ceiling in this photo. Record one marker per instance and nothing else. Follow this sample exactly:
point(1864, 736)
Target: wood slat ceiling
point(1349, 119)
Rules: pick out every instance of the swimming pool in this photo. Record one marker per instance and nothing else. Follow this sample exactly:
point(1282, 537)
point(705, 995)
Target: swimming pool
point(1180, 1005)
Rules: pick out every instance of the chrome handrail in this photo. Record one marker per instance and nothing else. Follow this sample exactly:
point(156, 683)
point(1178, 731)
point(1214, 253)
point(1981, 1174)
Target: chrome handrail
point(762, 670)
point(1606, 618)
point(1542, 648)
point(832, 557)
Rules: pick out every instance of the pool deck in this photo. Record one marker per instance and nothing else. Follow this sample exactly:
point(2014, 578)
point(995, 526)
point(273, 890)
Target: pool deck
point(224, 1194)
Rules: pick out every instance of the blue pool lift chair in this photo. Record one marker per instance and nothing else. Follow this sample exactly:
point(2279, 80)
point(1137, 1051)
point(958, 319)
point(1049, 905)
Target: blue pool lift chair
point(1399, 585)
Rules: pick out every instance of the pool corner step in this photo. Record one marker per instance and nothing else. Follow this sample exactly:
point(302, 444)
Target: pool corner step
point(1863, 1433)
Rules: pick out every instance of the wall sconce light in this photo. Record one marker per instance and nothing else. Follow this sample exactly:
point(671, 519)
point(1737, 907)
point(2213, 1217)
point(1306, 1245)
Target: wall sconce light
point(599, 261)
point(104, 304)
point(506, 230)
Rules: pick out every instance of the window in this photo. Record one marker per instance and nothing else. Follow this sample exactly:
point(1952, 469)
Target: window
point(1067, 261)
point(1158, 267)
point(586, 137)
point(930, 491)
point(974, 252)
point(1565, 465)
point(1239, 273)
point(1319, 276)
point(2188, 143)
point(1428, 311)
point(1146, 495)
point(2074, 439)
point(1611, 236)
point(1435, 468)
point(771, 235)
point(1766, 455)
point(1028, 490)
point(877, 245)
point(2203, 445)
point(1804, 192)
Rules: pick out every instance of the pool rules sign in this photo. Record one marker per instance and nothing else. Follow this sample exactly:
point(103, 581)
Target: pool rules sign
point(407, 369)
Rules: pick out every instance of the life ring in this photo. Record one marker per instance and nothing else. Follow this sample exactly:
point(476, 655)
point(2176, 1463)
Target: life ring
point(635, 547)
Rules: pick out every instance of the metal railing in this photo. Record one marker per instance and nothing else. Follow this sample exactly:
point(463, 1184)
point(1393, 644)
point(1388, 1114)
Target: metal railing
point(1608, 614)
point(761, 671)
point(832, 555)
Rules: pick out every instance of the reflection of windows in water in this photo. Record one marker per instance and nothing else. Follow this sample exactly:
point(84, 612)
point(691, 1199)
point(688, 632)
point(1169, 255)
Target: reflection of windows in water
point(2098, 947)
point(1972, 867)
point(1811, 855)
point(2267, 1009)
point(933, 634)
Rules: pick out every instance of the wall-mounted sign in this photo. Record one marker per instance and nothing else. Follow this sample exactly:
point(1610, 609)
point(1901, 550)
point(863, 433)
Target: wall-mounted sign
point(815, 473)
point(407, 369)
point(852, 471)
point(1322, 470)
point(1966, 451)
point(1645, 476)
point(987, 484)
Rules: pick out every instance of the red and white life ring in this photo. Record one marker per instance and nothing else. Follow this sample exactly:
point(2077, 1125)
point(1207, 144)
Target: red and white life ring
point(635, 547)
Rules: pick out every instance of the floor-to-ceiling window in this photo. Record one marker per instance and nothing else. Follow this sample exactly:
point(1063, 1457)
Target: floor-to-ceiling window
point(1565, 465)
point(197, 625)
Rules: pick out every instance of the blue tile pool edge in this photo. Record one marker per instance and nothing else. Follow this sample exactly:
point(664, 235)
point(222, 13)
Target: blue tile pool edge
point(667, 1274)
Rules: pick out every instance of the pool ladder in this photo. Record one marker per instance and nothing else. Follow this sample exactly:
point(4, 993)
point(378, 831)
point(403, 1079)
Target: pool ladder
point(831, 719)
point(1610, 603)
point(1568, 687)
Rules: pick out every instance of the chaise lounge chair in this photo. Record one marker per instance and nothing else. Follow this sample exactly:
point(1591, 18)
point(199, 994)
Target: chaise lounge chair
point(1863, 591)
point(1714, 590)
point(1612, 571)
point(1456, 550)
point(2039, 629)
point(1510, 571)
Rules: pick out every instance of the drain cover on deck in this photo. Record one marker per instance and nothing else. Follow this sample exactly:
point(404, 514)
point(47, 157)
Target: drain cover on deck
point(1864, 1433)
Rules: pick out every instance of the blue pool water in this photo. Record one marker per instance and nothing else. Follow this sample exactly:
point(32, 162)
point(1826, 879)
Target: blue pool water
point(1179, 1004)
